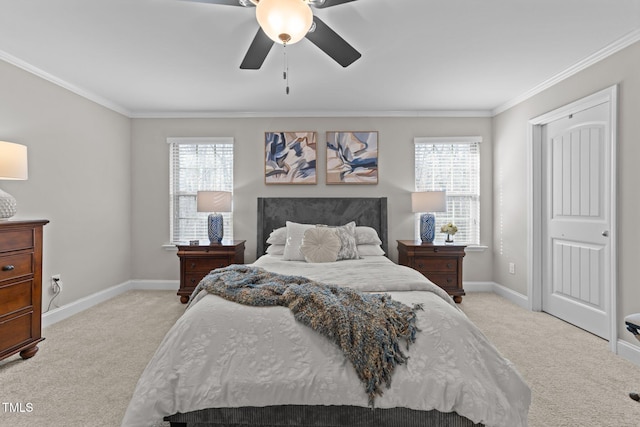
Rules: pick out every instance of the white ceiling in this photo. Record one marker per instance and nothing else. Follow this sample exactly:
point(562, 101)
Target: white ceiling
point(160, 58)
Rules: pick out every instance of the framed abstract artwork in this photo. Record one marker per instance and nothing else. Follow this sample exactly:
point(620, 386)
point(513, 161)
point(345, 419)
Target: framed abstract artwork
point(352, 157)
point(290, 157)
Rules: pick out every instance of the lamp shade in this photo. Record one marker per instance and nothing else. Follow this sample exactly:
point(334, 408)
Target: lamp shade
point(213, 201)
point(284, 21)
point(13, 161)
point(429, 201)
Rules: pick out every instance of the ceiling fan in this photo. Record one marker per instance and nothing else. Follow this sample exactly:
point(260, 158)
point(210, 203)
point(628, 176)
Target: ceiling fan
point(314, 29)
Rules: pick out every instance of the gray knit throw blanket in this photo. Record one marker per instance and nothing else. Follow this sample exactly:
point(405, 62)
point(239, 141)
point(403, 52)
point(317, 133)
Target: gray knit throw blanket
point(367, 327)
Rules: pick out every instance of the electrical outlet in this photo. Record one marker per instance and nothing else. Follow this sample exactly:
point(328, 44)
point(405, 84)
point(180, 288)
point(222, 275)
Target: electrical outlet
point(512, 268)
point(56, 283)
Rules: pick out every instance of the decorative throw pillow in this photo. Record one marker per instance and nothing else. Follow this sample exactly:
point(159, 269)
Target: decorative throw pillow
point(278, 236)
point(367, 236)
point(320, 245)
point(275, 249)
point(370, 250)
point(347, 235)
point(295, 232)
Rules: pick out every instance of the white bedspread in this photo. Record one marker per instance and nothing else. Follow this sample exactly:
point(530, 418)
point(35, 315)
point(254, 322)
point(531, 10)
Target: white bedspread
point(223, 354)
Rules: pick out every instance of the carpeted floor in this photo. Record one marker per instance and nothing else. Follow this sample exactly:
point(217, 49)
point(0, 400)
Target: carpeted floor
point(575, 379)
point(87, 367)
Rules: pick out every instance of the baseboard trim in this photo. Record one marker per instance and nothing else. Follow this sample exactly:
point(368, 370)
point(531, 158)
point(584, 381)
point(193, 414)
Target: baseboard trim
point(156, 285)
point(509, 294)
point(56, 315)
point(629, 351)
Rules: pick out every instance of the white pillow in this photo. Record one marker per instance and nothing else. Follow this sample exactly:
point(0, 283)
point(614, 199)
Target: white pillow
point(370, 250)
point(295, 232)
point(320, 245)
point(275, 249)
point(367, 236)
point(278, 236)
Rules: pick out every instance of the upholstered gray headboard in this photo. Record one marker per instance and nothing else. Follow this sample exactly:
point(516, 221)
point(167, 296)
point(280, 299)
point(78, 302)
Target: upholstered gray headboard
point(274, 212)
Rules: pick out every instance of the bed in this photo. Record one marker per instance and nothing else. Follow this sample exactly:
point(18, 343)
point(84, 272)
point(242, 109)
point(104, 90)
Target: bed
point(228, 364)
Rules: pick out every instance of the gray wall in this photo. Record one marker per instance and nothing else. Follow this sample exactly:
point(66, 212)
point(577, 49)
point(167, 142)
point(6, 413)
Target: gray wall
point(510, 179)
point(79, 179)
point(150, 179)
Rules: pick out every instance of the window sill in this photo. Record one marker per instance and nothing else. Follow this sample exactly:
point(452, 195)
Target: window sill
point(170, 247)
point(476, 248)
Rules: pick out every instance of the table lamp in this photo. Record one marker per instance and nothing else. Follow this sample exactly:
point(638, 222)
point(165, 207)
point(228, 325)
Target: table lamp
point(13, 166)
point(425, 202)
point(214, 202)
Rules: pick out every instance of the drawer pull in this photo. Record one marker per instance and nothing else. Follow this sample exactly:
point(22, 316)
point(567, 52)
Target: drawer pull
point(193, 281)
point(449, 265)
point(449, 280)
point(420, 265)
point(8, 267)
point(436, 249)
point(193, 265)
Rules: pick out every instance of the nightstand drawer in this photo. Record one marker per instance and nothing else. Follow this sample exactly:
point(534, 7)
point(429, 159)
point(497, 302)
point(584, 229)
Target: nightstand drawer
point(192, 279)
point(426, 265)
point(15, 296)
point(15, 240)
point(445, 281)
point(15, 265)
point(205, 264)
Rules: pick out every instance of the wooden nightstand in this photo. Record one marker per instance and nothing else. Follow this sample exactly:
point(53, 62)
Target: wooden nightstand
point(442, 264)
point(196, 261)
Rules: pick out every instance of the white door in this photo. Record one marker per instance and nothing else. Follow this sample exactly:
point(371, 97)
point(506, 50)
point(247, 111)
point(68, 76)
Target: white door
point(576, 225)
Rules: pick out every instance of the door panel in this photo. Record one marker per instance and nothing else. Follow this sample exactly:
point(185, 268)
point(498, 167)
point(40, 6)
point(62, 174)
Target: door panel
point(575, 225)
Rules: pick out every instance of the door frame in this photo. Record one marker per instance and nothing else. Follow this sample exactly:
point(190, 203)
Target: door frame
point(534, 200)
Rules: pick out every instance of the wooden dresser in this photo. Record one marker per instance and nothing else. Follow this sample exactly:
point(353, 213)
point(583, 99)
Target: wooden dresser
point(196, 261)
point(20, 287)
point(442, 264)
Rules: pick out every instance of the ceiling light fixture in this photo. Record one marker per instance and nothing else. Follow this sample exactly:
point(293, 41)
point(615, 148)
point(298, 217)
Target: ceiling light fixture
point(284, 21)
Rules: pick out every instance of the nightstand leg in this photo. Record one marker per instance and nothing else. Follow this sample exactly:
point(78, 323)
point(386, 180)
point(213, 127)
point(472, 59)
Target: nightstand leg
point(184, 299)
point(457, 299)
point(29, 352)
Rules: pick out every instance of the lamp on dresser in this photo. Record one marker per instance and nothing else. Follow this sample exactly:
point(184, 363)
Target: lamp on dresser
point(214, 202)
point(425, 202)
point(13, 166)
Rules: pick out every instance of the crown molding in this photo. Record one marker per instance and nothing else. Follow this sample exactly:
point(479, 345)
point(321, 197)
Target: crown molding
point(66, 85)
point(598, 56)
point(298, 113)
point(603, 53)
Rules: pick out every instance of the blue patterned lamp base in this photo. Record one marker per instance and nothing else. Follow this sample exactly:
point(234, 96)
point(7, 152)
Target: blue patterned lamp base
point(427, 227)
point(216, 228)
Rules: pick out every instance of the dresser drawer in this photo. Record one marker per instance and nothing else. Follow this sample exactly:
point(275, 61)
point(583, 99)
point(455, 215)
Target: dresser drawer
point(426, 265)
point(15, 265)
point(15, 331)
point(15, 296)
point(205, 264)
point(15, 240)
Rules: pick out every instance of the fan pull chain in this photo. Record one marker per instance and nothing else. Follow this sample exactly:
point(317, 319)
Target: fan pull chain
point(285, 73)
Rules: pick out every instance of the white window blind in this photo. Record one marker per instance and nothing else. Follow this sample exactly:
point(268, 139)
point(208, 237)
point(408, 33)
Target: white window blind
point(197, 164)
point(453, 165)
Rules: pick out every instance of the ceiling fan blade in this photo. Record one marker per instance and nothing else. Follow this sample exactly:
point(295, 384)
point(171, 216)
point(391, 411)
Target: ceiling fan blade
point(258, 51)
point(321, 4)
point(332, 44)
point(223, 2)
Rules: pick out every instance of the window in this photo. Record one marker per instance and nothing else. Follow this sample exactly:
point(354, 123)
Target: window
point(197, 164)
point(452, 164)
